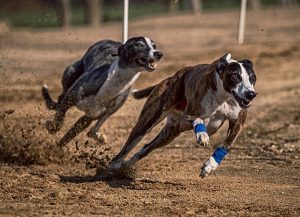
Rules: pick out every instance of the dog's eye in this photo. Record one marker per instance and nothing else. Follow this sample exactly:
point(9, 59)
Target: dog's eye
point(236, 76)
point(154, 46)
point(139, 44)
point(252, 79)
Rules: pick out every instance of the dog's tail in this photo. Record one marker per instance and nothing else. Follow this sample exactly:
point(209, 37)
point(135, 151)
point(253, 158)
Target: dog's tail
point(51, 104)
point(139, 94)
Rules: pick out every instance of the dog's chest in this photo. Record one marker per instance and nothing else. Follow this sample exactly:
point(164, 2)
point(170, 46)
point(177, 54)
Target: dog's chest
point(230, 109)
point(111, 93)
point(95, 109)
point(118, 81)
point(211, 101)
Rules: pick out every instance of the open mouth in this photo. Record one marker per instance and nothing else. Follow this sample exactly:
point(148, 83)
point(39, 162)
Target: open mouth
point(242, 102)
point(148, 64)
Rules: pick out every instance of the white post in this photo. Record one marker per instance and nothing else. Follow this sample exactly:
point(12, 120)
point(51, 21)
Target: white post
point(242, 22)
point(125, 21)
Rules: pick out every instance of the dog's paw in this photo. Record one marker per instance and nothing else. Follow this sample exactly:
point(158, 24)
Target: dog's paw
point(122, 173)
point(214, 161)
point(99, 137)
point(209, 166)
point(201, 132)
point(202, 138)
point(50, 126)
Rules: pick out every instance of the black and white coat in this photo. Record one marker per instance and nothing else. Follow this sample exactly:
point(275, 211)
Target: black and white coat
point(100, 83)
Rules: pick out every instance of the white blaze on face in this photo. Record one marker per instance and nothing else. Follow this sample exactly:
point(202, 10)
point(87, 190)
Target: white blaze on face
point(150, 45)
point(245, 79)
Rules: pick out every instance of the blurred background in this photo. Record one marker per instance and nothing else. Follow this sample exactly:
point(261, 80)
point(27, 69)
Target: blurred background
point(56, 13)
point(260, 177)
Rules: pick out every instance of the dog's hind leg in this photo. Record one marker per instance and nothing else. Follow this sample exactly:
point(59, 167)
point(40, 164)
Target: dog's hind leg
point(81, 124)
point(169, 132)
point(235, 127)
point(71, 74)
point(136, 135)
point(148, 119)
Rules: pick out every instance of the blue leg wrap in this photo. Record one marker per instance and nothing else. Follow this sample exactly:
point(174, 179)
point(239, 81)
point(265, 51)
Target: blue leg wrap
point(200, 128)
point(219, 154)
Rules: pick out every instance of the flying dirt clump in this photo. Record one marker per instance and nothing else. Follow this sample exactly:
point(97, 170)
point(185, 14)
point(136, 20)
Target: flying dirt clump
point(22, 142)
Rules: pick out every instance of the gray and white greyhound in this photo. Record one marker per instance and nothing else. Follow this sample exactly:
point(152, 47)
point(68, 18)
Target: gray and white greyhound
point(99, 83)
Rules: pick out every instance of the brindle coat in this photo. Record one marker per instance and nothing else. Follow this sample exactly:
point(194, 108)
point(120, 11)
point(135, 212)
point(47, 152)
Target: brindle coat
point(191, 93)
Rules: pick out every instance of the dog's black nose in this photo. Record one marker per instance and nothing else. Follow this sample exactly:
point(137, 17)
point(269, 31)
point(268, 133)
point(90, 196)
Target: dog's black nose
point(158, 55)
point(250, 95)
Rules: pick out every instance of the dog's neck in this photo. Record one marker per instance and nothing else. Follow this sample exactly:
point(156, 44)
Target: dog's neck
point(221, 95)
point(215, 95)
point(122, 67)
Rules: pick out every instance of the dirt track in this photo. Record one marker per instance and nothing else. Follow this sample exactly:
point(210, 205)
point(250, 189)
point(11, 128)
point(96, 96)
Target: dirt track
point(260, 177)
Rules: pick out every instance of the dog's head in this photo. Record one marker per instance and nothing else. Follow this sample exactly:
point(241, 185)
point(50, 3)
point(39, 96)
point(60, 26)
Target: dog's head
point(238, 79)
point(140, 52)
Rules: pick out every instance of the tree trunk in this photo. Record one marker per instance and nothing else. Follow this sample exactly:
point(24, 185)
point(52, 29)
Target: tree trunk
point(196, 6)
point(255, 4)
point(63, 13)
point(173, 6)
point(93, 12)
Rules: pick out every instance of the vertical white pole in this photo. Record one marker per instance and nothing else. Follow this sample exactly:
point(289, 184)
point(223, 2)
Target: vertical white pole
point(242, 22)
point(125, 21)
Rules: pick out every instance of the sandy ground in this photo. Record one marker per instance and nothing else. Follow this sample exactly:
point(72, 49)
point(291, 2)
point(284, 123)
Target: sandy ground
point(260, 177)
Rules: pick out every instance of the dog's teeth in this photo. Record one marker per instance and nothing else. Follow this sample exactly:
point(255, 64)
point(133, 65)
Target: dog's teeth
point(152, 64)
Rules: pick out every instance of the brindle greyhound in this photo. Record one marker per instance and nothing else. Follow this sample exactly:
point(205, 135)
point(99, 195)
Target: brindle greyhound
point(100, 83)
point(198, 97)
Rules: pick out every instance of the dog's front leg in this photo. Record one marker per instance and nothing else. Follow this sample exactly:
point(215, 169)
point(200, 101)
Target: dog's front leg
point(216, 158)
point(94, 131)
point(189, 122)
point(81, 124)
point(62, 108)
point(201, 132)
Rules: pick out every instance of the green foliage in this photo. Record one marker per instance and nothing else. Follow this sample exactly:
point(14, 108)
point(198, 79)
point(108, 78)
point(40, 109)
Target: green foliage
point(112, 11)
point(32, 19)
point(221, 5)
point(115, 13)
point(269, 2)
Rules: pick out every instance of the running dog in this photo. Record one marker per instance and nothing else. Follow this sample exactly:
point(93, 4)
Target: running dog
point(99, 83)
point(198, 97)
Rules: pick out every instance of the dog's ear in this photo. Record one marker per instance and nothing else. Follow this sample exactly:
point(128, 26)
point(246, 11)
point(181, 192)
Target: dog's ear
point(122, 52)
point(223, 61)
point(247, 62)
